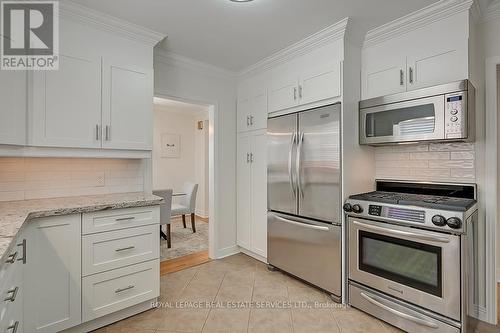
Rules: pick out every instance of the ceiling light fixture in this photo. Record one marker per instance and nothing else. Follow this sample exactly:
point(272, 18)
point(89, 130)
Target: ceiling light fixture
point(240, 0)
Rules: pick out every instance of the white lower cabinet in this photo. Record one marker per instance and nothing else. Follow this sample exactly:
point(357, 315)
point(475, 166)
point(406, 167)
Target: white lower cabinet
point(252, 192)
point(118, 289)
point(52, 274)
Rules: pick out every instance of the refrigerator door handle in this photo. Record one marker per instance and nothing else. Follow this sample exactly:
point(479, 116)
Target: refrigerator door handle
point(298, 163)
point(303, 225)
point(290, 161)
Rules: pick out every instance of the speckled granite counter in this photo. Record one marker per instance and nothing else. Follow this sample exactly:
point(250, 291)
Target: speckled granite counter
point(14, 214)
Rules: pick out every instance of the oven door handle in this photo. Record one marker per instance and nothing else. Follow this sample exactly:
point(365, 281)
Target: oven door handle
point(398, 313)
point(395, 232)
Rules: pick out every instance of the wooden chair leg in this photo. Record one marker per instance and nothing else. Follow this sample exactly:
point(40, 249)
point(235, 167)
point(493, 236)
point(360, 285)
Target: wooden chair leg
point(169, 236)
point(184, 220)
point(162, 234)
point(193, 222)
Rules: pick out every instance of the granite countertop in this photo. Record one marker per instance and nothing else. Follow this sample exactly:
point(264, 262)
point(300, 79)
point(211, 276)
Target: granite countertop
point(14, 214)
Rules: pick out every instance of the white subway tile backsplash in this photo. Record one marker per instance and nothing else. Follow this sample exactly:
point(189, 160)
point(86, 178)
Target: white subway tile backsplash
point(430, 156)
point(452, 146)
point(402, 164)
point(452, 164)
point(461, 174)
point(463, 155)
point(32, 178)
point(392, 156)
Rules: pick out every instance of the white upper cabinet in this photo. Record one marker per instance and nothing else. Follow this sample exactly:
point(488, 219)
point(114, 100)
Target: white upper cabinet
point(13, 109)
point(431, 55)
point(283, 89)
point(127, 107)
point(66, 108)
point(252, 107)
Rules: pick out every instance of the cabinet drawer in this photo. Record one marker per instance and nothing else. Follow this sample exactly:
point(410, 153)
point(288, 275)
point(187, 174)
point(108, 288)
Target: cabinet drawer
point(120, 219)
point(115, 249)
point(121, 288)
point(11, 299)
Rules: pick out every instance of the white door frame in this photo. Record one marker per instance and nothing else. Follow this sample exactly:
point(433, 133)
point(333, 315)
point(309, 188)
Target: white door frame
point(491, 186)
point(213, 152)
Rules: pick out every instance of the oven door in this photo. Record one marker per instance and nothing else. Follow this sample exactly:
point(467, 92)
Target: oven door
point(417, 120)
point(417, 266)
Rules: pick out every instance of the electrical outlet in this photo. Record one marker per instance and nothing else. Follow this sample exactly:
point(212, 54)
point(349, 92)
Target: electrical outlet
point(100, 181)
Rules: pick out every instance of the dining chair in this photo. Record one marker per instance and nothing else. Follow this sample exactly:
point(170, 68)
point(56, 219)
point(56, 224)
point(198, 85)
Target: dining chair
point(187, 204)
point(165, 214)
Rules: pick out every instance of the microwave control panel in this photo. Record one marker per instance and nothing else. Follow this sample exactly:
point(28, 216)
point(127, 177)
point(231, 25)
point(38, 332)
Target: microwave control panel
point(455, 118)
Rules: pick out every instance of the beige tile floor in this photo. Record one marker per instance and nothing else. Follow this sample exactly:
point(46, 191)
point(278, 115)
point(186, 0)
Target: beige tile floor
point(243, 296)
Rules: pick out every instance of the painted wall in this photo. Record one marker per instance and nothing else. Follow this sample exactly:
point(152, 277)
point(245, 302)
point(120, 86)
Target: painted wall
point(498, 179)
point(35, 178)
point(190, 80)
point(191, 164)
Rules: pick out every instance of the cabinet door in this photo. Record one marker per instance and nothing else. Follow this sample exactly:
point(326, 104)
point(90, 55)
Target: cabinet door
point(243, 112)
point(244, 188)
point(320, 83)
point(52, 274)
point(259, 193)
point(383, 76)
point(283, 92)
point(438, 64)
point(258, 114)
point(66, 107)
point(13, 110)
point(127, 110)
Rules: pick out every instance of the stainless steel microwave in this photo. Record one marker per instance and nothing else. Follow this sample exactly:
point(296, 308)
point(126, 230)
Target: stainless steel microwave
point(443, 113)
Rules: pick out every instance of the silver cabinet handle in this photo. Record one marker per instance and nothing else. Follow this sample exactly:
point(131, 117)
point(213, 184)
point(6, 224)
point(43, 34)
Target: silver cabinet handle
point(125, 249)
point(303, 225)
point(401, 77)
point(251, 157)
point(97, 132)
point(23, 245)
point(13, 327)
point(298, 163)
point(290, 161)
point(417, 320)
point(108, 133)
point(248, 121)
point(120, 290)
point(12, 295)
point(11, 258)
point(300, 91)
point(395, 232)
point(125, 218)
point(295, 93)
point(248, 157)
point(251, 120)
point(411, 75)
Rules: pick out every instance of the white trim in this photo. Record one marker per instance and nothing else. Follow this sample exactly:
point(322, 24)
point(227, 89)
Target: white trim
point(306, 45)
point(491, 193)
point(415, 20)
point(29, 151)
point(109, 23)
point(479, 312)
point(177, 60)
point(253, 255)
point(226, 252)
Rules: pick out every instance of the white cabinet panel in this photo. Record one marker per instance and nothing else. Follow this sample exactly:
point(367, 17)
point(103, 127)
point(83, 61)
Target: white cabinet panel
point(283, 92)
point(127, 109)
point(244, 108)
point(52, 274)
point(259, 193)
point(14, 107)
point(117, 219)
point(66, 109)
point(244, 190)
point(258, 115)
point(382, 76)
point(320, 83)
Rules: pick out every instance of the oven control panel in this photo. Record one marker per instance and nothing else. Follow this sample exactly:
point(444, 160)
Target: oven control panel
point(375, 210)
point(455, 116)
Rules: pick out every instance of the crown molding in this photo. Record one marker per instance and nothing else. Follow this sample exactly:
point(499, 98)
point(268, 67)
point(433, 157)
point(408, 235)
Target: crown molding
point(177, 60)
point(422, 17)
point(109, 23)
point(320, 38)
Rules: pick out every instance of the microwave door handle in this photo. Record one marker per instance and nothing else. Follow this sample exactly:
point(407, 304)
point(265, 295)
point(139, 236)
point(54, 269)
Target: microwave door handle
point(290, 161)
point(395, 232)
point(398, 313)
point(298, 163)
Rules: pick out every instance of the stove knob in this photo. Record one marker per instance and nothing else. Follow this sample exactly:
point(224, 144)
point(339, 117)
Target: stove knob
point(439, 220)
point(454, 223)
point(347, 207)
point(357, 209)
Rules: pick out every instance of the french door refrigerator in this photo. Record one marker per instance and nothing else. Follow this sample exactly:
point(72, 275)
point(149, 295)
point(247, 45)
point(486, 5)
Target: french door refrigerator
point(304, 196)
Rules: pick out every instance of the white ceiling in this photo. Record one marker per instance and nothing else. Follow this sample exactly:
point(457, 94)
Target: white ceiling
point(169, 105)
point(236, 35)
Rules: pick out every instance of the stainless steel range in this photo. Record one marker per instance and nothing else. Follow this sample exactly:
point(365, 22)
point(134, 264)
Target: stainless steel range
point(408, 253)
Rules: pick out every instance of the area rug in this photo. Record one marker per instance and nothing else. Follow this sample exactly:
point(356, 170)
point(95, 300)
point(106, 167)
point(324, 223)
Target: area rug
point(184, 241)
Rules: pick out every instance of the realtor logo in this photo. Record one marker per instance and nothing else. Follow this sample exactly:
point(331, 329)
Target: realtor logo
point(30, 35)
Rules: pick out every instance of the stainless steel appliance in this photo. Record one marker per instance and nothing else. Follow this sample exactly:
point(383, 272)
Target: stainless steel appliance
point(408, 250)
point(439, 113)
point(304, 196)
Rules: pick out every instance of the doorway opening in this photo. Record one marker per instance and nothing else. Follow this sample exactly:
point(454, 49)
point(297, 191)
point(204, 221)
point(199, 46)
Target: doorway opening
point(181, 174)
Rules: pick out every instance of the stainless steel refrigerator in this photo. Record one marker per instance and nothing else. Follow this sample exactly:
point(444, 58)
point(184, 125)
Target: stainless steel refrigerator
point(304, 196)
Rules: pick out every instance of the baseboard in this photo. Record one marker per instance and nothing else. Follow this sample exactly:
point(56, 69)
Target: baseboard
point(479, 312)
point(202, 214)
point(112, 317)
point(226, 252)
point(253, 255)
point(498, 273)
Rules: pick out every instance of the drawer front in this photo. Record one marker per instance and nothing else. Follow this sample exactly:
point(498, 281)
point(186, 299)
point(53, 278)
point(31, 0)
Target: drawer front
point(115, 290)
point(120, 219)
point(115, 249)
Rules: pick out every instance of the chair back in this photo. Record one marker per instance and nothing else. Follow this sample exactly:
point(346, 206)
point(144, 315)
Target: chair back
point(189, 200)
point(166, 206)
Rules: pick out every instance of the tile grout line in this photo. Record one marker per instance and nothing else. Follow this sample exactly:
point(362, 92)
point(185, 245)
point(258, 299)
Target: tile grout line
point(215, 297)
point(251, 297)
